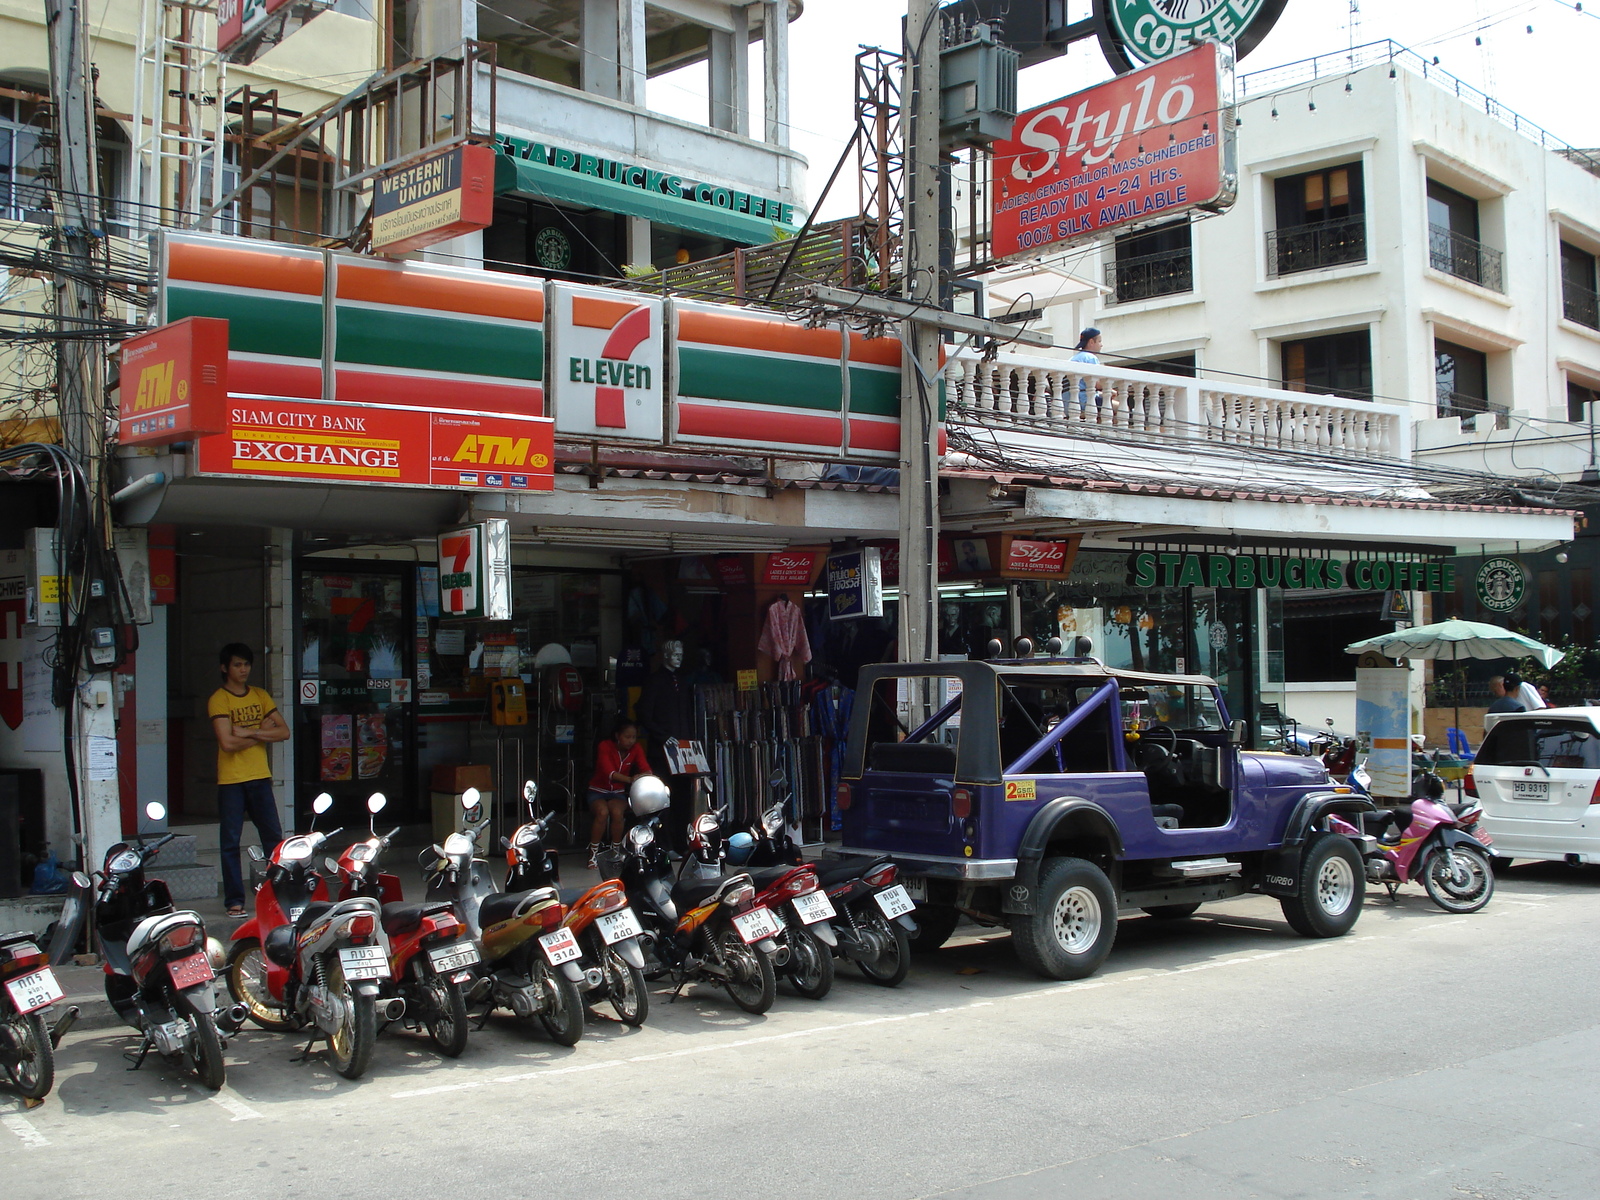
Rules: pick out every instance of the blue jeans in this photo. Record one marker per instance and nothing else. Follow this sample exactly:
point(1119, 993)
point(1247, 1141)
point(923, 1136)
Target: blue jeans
point(235, 800)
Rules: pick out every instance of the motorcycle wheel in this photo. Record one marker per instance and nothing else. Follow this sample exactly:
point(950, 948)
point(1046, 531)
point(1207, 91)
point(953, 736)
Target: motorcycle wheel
point(890, 967)
point(247, 984)
point(33, 1074)
point(756, 986)
point(350, 1046)
point(625, 987)
point(445, 1009)
point(564, 1022)
point(810, 966)
point(1459, 879)
point(205, 1045)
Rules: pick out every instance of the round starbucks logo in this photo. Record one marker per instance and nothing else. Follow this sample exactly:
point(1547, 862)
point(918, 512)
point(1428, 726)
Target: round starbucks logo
point(1146, 31)
point(552, 249)
point(1501, 584)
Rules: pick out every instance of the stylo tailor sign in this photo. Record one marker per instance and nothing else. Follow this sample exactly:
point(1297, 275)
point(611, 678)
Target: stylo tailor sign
point(1143, 147)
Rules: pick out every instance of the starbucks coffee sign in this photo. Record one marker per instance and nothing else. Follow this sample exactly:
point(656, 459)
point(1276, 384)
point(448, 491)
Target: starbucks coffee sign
point(1501, 584)
point(1136, 32)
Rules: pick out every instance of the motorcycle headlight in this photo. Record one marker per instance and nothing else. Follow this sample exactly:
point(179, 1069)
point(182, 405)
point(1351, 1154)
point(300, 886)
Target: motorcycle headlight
point(525, 836)
point(457, 843)
point(126, 861)
point(772, 820)
point(641, 837)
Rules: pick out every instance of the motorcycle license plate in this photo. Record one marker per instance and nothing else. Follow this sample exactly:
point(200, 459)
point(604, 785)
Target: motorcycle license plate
point(1530, 789)
point(363, 962)
point(917, 888)
point(32, 992)
point(187, 972)
point(756, 924)
point(618, 925)
point(814, 907)
point(894, 902)
point(560, 947)
point(452, 957)
point(1482, 835)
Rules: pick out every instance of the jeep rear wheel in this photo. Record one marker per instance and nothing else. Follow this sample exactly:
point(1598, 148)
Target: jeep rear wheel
point(1332, 885)
point(1070, 933)
point(935, 924)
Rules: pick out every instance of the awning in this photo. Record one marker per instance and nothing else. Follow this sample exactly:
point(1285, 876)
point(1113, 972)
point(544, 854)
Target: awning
point(540, 181)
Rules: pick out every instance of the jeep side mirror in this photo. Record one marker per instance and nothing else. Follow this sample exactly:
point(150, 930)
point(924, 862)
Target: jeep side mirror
point(1239, 732)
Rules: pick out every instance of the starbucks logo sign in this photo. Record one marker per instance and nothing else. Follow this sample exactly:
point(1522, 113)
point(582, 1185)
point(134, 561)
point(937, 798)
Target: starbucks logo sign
point(1501, 584)
point(1145, 31)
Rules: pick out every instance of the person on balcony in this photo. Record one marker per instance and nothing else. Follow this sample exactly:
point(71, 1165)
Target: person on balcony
point(1088, 351)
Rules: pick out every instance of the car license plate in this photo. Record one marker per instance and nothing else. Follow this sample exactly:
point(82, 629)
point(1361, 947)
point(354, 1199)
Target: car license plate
point(560, 947)
point(756, 924)
point(363, 962)
point(894, 901)
point(916, 887)
point(187, 972)
point(814, 907)
point(34, 991)
point(452, 957)
point(614, 927)
point(1530, 789)
point(1482, 835)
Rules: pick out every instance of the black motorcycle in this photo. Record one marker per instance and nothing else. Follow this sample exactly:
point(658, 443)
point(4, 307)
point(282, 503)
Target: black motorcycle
point(694, 929)
point(160, 966)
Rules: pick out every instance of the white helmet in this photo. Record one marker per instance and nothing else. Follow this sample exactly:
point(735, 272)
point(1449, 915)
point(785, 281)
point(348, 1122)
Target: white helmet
point(648, 796)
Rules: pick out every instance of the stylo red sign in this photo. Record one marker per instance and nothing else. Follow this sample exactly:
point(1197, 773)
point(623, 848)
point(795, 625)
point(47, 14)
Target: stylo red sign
point(1025, 557)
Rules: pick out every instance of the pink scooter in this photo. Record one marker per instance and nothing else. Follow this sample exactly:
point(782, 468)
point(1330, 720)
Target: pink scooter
point(1430, 842)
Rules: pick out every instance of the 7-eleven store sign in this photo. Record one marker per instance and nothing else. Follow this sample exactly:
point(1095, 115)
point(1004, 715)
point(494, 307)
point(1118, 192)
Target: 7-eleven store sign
point(475, 571)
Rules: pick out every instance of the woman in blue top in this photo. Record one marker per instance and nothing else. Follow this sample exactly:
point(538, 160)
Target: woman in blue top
point(1088, 352)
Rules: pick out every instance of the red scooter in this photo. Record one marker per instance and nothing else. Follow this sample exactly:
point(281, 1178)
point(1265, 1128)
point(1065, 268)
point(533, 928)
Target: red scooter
point(431, 953)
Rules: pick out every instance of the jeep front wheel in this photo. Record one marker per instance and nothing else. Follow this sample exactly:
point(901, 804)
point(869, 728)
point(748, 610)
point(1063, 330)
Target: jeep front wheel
point(1070, 933)
point(1332, 885)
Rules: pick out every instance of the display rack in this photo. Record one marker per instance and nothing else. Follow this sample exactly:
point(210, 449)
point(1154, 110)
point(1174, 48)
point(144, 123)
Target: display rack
point(751, 734)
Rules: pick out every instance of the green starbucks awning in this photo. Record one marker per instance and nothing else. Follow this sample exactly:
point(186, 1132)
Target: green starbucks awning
point(541, 181)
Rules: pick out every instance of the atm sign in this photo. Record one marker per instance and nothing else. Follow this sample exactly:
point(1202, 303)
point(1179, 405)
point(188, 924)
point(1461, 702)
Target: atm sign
point(174, 383)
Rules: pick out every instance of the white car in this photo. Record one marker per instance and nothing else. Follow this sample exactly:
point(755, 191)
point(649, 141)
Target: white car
point(1537, 775)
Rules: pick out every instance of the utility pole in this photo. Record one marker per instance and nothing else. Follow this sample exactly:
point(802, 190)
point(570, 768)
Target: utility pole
point(919, 386)
point(80, 395)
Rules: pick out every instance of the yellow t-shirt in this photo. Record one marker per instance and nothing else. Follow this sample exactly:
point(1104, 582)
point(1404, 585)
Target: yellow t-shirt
point(246, 712)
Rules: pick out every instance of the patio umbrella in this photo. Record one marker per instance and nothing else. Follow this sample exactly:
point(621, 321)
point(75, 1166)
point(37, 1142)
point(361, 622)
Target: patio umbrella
point(1456, 640)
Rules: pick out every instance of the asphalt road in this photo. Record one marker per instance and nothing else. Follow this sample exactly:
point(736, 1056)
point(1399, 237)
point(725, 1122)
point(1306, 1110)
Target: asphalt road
point(1423, 1057)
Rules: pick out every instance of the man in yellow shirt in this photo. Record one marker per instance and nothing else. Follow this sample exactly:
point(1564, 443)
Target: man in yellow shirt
point(245, 720)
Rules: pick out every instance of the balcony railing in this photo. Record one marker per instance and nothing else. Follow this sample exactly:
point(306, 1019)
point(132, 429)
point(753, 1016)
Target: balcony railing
point(1457, 254)
point(1052, 397)
point(1580, 304)
point(1150, 275)
point(1461, 404)
point(1321, 244)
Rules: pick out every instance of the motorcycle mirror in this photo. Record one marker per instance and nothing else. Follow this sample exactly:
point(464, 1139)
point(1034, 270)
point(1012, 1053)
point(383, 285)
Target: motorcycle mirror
point(255, 854)
point(322, 804)
point(530, 792)
point(81, 880)
point(155, 810)
point(470, 798)
point(332, 865)
point(376, 803)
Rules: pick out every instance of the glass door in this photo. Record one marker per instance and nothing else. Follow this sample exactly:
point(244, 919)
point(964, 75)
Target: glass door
point(355, 703)
point(1220, 624)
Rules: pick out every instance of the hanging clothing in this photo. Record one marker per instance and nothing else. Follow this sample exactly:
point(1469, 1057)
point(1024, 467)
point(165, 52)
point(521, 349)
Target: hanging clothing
point(783, 638)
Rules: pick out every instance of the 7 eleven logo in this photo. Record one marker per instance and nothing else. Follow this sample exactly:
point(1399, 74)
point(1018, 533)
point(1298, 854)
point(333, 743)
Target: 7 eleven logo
point(458, 572)
point(609, 364)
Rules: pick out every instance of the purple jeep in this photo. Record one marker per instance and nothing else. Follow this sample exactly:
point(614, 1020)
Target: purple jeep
point(1053, 795)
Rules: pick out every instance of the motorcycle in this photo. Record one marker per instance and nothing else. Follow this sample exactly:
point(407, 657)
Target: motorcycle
point(158, 961)
point(528, 961)
point(305, 961)
point(1444, 845)
point(430, 951)
point(788, 887)
point(27, 1041)
point(695, 929)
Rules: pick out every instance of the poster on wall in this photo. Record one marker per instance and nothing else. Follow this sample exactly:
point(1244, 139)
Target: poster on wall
point(1383, 724)
point(372, 750)
point(336, 748)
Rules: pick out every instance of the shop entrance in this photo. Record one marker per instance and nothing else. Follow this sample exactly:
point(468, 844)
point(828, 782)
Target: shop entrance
point(355, 670)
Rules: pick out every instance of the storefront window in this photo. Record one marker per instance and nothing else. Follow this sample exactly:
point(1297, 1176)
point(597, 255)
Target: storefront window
point(1140, 630)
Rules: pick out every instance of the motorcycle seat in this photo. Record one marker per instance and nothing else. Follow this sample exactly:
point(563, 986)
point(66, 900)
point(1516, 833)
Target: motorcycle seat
point(311, 913)
point(502, 906)
point(400, 917)
point(765, 877)
point(846, 869)
point(690, 893)
point(279, 946)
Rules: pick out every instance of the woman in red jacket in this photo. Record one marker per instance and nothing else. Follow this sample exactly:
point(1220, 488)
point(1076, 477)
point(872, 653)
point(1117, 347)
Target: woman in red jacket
point(618, 761)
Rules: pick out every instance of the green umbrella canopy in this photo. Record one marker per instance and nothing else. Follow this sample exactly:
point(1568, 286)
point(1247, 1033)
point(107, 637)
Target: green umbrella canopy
point(1454, 640)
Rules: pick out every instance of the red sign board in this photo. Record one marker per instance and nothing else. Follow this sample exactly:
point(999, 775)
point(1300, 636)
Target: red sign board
point(731, 571)
point(235, 18)
point(430, 201)
point(1141, 147)
point(794, 567)
point(1028, 559)
point(174, 383)
point(351, 443)
point(890, 560)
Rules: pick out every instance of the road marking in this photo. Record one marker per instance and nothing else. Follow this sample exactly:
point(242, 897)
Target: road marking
point(228, 1099)
point(23, 1128)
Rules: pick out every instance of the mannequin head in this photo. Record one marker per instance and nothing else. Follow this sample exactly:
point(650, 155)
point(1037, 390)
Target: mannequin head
point(672, 654)
point(950, 617)
point(992, 615)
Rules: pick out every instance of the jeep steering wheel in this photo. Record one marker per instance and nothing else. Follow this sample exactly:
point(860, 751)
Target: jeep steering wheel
point(1149, 733)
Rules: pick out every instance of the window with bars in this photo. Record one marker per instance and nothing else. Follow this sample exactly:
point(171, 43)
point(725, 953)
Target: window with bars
point(1453, 239)
point(1154, 262)
point(1461, 379)
point(1579, 302)
point(1321, 220)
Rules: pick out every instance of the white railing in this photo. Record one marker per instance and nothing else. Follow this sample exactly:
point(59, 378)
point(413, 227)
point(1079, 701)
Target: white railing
point(1065, 399)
